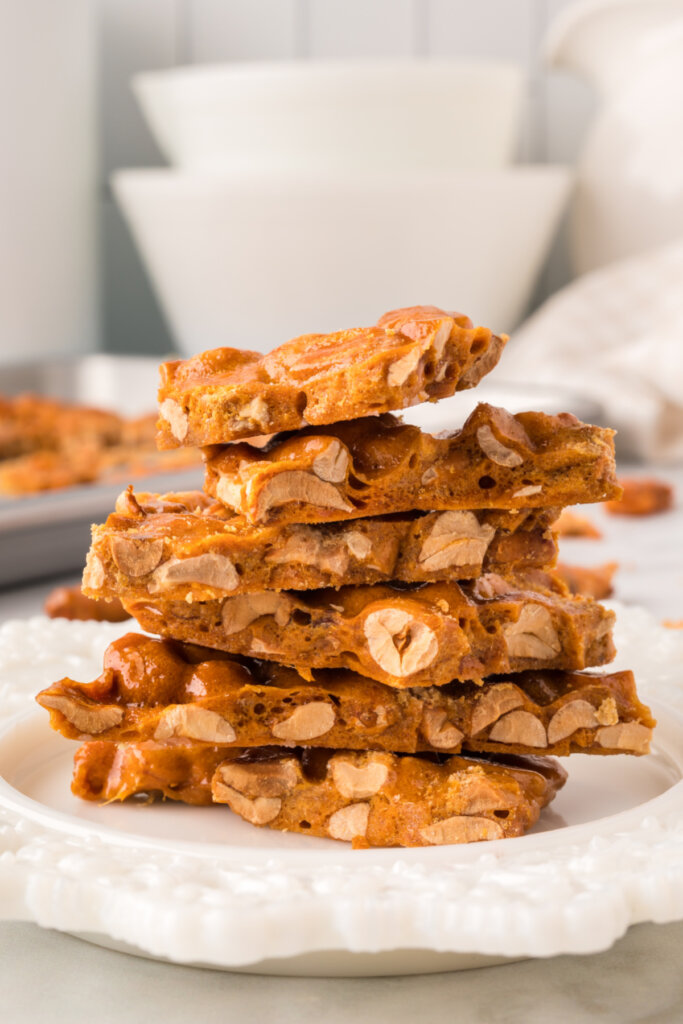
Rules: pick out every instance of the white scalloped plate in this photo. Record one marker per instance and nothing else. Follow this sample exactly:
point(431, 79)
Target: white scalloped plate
point(198, 885)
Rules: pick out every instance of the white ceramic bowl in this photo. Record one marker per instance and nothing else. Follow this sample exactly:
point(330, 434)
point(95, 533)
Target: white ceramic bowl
point(252, 261)
point(406, 113)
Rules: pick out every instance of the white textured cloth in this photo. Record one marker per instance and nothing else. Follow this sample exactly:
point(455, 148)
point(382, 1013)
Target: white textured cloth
point(616, 335)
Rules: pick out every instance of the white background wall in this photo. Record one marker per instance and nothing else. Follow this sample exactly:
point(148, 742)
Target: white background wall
point(135, 35)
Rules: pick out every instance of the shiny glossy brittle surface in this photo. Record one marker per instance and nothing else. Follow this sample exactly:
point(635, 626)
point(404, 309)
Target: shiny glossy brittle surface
point(177, 545)
point(373, 466)
point(425, 635)
point(153, 689)
point(368, 798)
point(412, 355)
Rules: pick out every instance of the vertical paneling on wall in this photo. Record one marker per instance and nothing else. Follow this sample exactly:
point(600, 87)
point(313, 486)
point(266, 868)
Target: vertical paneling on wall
point(222, 30)
point(133, 36)
point(358, 28)
point(136, 36)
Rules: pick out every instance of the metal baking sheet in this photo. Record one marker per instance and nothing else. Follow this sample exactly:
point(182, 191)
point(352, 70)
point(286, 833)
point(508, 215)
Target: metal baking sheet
point(124, 384)
point(49, 534)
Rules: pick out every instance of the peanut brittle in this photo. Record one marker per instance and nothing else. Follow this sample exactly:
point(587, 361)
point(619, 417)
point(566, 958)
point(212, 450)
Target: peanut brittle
point(370, 798)
point(48, 471)
point(72, 603)
point(31, 423)
point(642, 497)
point(47, 445)
point(178, 771)
point(53, 470)
point(571, 524)
point(413, 355)
point(427, 635)
point(180, 545)
point(591, 581)
point(376, 465)
point(154, 689)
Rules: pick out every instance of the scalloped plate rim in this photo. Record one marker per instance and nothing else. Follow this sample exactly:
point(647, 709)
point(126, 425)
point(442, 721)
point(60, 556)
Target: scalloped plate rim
point(624, 869)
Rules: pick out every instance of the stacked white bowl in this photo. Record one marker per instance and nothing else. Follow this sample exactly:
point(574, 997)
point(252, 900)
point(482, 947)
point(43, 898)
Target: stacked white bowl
point(315, 195)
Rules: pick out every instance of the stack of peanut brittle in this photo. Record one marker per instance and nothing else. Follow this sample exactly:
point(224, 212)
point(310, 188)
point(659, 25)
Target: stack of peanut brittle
point(359, 633)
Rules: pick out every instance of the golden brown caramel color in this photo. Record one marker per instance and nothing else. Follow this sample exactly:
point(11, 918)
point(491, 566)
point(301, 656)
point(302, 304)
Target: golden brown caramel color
point(421, 636)
point(370, 798)
point(48, 471)
point(376, 465)
point(591, 581)
point(30, 423)
point(107, 772)
point(47, 445)
point(377, 799)
point(570, 524)
point(642, 497)
point(71, 603)
point(179, 545)
point(413, 355)
point(191, 693)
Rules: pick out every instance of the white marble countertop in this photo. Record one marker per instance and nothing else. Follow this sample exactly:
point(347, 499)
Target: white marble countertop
point(49, 977)
point(45, 975)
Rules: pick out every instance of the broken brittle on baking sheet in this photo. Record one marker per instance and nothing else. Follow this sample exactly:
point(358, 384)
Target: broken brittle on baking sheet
point(47, 445)
point(31, 423)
